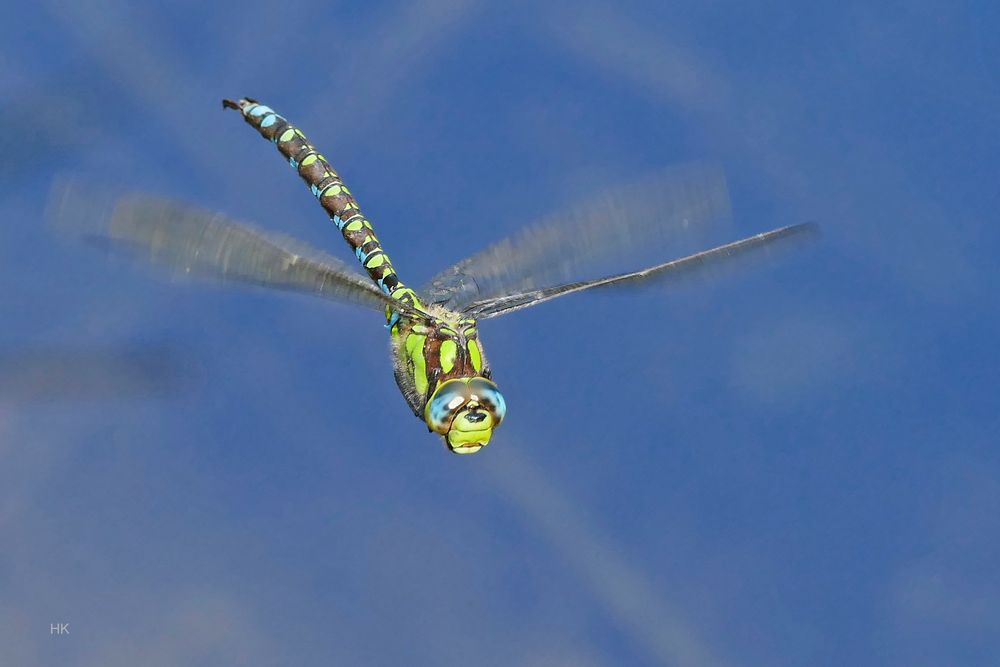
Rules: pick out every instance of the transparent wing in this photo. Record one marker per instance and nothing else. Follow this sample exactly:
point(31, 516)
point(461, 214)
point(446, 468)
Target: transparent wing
point(669, 210)
point(697, 262)
point(196, 242)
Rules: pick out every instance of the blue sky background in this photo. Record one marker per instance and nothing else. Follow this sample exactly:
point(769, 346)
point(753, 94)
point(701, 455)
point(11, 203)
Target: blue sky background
point(793, 465)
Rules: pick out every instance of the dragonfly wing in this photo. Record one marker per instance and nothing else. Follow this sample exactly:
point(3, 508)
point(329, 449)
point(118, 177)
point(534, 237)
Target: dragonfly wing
point(192, 241)
point(695, 263)
point(662, 211)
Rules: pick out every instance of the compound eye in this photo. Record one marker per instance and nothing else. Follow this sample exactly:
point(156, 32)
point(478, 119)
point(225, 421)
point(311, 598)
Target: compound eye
point(489, 397)
point(445, 404)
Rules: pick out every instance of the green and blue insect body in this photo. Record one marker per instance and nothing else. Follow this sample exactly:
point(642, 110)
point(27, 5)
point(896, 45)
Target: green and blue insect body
point(438, 357)
point(443, 372)
point(438, 360)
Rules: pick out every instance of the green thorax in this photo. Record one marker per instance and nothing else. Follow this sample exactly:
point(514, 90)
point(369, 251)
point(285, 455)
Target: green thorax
point(426, 353)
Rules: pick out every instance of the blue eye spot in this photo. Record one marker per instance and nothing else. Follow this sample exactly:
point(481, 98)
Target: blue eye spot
point(447, 401)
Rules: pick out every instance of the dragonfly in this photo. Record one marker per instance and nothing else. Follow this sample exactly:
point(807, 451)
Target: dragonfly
point(439, 361)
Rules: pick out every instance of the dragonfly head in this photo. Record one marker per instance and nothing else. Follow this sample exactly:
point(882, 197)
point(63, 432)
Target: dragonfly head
point(465, 411)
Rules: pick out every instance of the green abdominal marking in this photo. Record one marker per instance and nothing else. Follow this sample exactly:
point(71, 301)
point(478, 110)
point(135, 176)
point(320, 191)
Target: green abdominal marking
point(335, 198)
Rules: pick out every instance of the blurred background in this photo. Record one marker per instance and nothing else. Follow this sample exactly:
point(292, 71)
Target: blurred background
point(795, 464)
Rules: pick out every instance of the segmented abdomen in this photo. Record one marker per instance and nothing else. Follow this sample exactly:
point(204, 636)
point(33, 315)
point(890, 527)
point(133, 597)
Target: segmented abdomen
point(329, 189)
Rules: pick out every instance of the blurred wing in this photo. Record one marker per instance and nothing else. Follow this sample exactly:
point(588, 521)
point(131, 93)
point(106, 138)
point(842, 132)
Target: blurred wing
point(660, 212)
point(193, 241)
point(697, 262)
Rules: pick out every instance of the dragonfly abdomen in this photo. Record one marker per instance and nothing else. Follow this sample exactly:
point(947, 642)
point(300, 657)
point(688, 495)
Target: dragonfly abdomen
point(327, 186)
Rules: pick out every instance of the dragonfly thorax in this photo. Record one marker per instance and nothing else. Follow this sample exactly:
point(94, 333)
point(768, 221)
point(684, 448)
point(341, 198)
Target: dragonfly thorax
point(442, 372)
